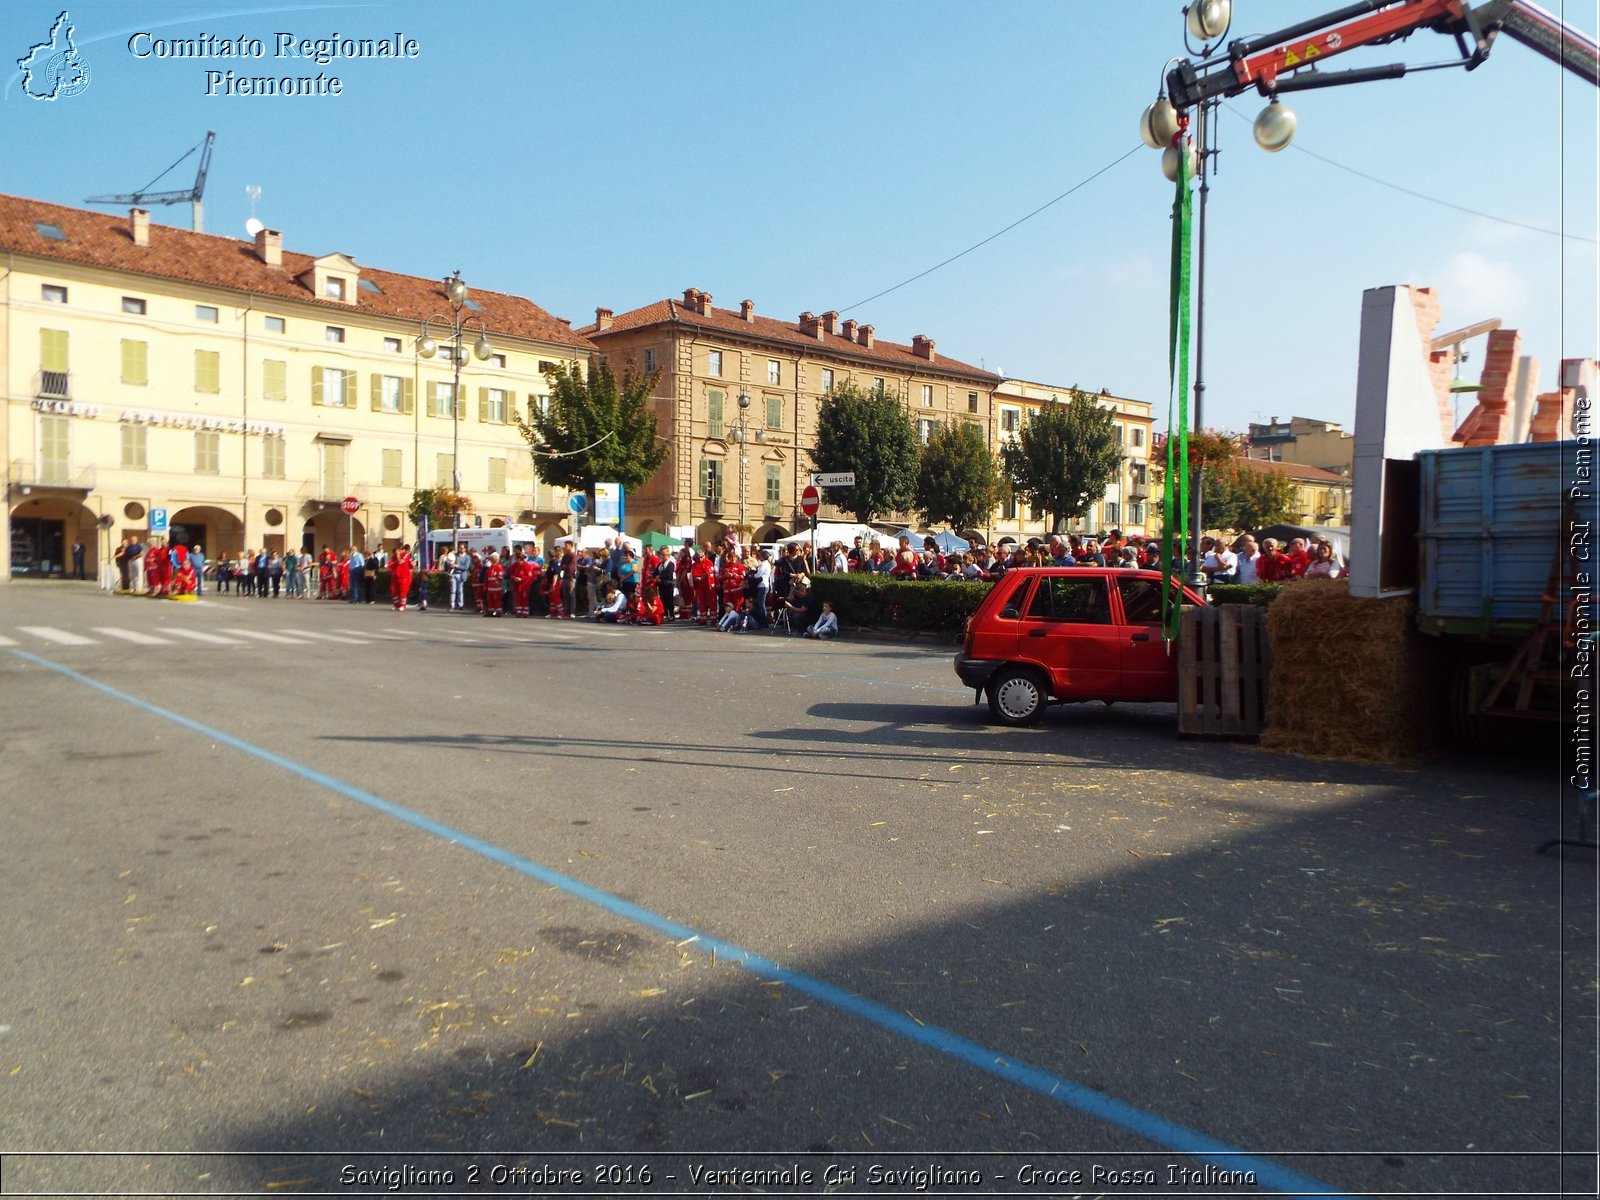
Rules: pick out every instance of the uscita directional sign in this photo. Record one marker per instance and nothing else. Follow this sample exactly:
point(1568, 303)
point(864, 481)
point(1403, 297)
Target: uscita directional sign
point(836, 479)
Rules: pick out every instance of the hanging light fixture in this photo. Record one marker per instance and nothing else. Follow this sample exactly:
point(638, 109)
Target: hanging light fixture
point(1275, 127)
point(1208, 20)
point(1159, 124)
point(1170, 158)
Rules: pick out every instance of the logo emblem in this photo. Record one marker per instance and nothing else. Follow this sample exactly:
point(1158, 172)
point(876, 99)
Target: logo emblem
point(54, 68)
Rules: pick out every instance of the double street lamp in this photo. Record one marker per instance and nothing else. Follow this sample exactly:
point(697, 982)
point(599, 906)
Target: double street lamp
point(453, 330)
point(742, 436)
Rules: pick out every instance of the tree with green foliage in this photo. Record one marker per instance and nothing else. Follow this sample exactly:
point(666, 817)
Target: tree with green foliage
point(1240, 497)
point(597, 429)
point(871, 434)
point(440, 505)
point(958, 483)
point(1064, 458)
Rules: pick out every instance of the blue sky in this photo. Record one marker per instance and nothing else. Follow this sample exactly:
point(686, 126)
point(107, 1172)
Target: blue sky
point(809, 157)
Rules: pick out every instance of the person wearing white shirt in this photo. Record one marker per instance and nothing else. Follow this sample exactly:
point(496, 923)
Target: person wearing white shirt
point(1219, 563)
point(1246, 549)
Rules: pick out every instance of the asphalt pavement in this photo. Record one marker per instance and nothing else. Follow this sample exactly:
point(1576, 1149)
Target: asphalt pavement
point(313, 897)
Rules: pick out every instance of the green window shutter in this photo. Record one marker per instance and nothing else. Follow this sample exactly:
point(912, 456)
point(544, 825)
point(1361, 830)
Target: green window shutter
point(377, 392)
point(207, 375)
point(714, 414)
point(52, 349)
point(135, 362)
point(274, 379)
point(701, 486)
point(461, 402)
point(483, 405)
point(316, 386)
point(774, 412)
point(349, 391)
point(408, 396)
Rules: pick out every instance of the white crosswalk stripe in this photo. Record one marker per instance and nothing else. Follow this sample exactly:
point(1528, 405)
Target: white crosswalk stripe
point(367, 633)
point(59, 636)
point(210, 639)
point(133, 635)
point(277, 638)
point(331, 637)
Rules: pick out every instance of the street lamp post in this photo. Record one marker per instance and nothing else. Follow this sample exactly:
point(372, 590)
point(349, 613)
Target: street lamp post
point(455, 348)
point(744, 432)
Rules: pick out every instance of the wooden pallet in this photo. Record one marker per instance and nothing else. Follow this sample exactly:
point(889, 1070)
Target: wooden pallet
point(1224, 661)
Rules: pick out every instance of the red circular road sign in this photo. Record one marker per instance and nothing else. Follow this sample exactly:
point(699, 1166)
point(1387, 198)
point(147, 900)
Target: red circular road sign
point(810, 501)
point(350, 505)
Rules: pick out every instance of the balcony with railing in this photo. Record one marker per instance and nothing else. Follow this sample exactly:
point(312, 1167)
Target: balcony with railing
point(24, 475)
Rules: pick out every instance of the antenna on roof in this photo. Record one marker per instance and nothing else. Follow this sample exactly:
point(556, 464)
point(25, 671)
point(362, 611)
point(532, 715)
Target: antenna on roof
point(193, 195)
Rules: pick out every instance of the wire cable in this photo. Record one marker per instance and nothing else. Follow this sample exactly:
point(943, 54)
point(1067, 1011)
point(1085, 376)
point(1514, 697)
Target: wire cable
point(1472, 212)
point(992, 236)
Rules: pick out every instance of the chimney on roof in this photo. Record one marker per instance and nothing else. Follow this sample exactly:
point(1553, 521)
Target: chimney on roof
point(269, 247)
point(705, 304)
point(810, 326)
point(747, 310)
point(864, 337)
point(602, 319)
point(139, 223)
point(922, 346)
point(850, 330)
point(830, 322)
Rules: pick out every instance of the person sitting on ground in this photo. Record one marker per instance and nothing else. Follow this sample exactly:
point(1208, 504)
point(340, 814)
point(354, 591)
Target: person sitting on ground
point(826, 626)
point(732, 619)
point(803, 605)
point(611, 605)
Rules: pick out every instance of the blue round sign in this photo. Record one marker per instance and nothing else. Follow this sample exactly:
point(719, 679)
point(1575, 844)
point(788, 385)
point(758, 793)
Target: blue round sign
point(577, 502)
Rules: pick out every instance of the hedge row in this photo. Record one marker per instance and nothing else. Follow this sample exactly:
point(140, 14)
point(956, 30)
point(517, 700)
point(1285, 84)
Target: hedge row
point(1260, 594)
point(874, 601)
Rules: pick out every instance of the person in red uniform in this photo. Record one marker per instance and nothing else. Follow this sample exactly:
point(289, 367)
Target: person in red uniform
point(1299, 559)
point(400, 569)
point(158, 568)
point(493, 588)
point(731, 577)
point(905, 561)
point(650, 610)
point(183, 579)
point(521, 574)
point(555, 606)
point(341, 583)
point(325, 573)
point(1272, 566)
point(703, 575)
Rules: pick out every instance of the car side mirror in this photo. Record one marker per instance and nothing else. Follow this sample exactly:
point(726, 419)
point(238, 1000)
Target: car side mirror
point(1009, 613)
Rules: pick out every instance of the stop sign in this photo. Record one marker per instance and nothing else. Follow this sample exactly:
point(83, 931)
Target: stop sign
point(350, 505)
point(810, 501)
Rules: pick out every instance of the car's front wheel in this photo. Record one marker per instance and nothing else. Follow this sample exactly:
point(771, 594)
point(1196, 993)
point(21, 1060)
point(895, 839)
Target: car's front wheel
point(1016, 697)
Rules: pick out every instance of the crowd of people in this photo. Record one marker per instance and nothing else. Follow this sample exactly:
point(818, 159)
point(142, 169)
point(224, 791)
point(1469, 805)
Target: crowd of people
point(728, 586)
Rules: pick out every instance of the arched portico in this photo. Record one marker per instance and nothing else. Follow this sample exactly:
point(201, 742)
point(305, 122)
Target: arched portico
point(43, 528)
point(214, 529)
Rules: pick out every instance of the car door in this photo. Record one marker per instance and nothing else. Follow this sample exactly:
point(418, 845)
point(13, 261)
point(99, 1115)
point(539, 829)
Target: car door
point(994, 632)
point(1067, 629)
point(1149, 671)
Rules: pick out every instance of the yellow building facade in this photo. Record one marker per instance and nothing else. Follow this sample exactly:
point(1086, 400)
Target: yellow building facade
point(714, 482)
point(245, 392)
point(1127, 503)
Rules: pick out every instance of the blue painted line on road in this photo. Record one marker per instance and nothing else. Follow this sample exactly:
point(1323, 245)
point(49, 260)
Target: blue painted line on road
point(1167, 1134)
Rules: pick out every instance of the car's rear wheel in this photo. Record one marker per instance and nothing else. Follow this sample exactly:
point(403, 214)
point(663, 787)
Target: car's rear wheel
point(1016, 696)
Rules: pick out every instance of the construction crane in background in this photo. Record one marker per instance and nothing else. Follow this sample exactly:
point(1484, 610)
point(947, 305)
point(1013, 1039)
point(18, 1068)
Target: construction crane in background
point(193, 196)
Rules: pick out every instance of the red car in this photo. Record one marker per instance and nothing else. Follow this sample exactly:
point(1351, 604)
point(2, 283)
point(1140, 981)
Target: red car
point(1052, 634)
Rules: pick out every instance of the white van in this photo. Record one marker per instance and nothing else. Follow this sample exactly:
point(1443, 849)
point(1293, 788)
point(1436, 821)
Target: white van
point(502, 541)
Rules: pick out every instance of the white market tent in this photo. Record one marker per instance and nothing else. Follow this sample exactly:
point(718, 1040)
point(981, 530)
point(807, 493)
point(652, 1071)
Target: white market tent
point(829, 532)
point(593, 537)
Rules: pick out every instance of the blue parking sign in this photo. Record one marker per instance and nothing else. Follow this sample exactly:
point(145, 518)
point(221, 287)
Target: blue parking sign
point(158, 520)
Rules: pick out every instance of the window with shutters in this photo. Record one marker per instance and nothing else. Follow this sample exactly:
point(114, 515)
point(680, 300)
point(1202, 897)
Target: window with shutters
point(774, 412)
point(439, 394)
point(1010, 421)
point(274, 456)
point(1112, 512)
point(1010, 509)
point(54, 380)
point(714, 424)
point(135, 447)
point(774, 489)
point(711, 472)
point(493, 406)
point(1136, 512)
point(135, 362)
point(334, 456)
point(274, 379)
point(1138, 435)
point(391, 393)
point(538, 405)
point(207, 453)
point(208, 371)
point(55, 449)
point(497, 474)
point(441, 471)
point(333, 387)
point(391, 468)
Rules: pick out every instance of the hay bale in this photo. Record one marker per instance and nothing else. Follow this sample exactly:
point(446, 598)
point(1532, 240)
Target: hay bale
point(1350, 676)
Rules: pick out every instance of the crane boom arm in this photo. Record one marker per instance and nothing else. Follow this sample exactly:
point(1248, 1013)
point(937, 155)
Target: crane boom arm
point(1268, 63)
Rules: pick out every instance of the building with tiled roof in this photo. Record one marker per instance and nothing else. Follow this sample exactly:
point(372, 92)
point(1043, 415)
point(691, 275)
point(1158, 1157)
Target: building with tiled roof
point(1321, 497)
point(708, 357)
point(246, 390)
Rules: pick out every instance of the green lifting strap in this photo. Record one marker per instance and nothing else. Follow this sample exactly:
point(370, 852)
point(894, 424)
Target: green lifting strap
point(1175, 491)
